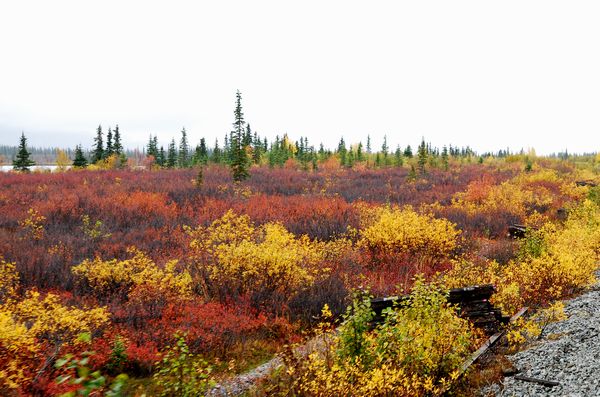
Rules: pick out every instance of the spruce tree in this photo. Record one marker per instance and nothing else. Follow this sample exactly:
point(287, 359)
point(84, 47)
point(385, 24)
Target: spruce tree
point(98, 152)
point(408, 152)
point(384, 147)
point(445, 158)
point(216, 155)
point(109, 144)
point(342, 152)
point(117, 145)
point(359, 152)
point(201, 153)
point(398, 161)
point(239, 160)
point(422, 156)
point(183, 157)
point(161, 157)
point(247, 141)
point(172, 155)
point(257, 149)
point(152, 147)
point(23, 160)
point(80, 161)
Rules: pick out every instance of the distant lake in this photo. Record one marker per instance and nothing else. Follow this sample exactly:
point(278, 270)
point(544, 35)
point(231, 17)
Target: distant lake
point(5, 168)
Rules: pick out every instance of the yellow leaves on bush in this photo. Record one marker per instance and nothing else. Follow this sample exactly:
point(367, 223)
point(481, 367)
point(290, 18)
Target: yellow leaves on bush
point(523, 330)
point(33, 224)
point(553, 262)
point(240, 257)
point(16, 346)
point(26, 324)
point(416, 352)
point(47, 318)
point(229, 229)
point(107, 277)
point(519, 196)
point(276, 260)
point(9, 280)
point(404, 231)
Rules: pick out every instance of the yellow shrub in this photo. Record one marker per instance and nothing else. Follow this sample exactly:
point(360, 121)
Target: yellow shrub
point(276, 260)
point(234, 255)
point(404, 231)
point(25, 325)
point(554, 261)
point(48, 319)
point(17, 345)
point(416, 352)
point(106, 277)
point(34, 224)
point(9, 280)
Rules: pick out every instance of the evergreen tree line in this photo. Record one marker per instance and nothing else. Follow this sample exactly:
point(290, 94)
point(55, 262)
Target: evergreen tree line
point(243, 147)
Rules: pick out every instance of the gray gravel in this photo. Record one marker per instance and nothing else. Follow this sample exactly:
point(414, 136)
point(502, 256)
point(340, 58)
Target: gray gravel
point(569, 353)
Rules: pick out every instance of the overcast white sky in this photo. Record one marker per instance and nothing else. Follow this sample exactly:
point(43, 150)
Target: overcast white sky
point(480, 73)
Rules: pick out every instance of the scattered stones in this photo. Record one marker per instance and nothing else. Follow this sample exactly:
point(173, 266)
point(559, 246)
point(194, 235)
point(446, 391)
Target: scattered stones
point(572, 360)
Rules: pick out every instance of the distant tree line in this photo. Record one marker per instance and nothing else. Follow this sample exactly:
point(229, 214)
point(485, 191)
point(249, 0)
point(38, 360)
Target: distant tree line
point(242, 147)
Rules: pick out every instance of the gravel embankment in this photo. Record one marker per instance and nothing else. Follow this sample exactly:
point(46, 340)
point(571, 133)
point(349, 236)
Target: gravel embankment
point(569, 353)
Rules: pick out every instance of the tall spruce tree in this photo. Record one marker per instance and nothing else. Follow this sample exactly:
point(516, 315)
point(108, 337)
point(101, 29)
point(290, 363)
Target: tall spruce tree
point(109, 144)
point(152, 147)
point(201, 153)
point(359, 152)
point(183, 158)
point(23, 159)
point(216, 155)
point(80, 161)
point(257, 149)
point(172, 155)
point(384, 147)
point(445, 158)
point(98, 152)
point(161, 160)
point(247, 141)
point(117, 145)
point(398, 161)
point(422, 154)
point(239, 158)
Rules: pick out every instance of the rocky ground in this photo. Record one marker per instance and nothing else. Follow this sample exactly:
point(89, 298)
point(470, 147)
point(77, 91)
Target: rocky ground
point(568, 353)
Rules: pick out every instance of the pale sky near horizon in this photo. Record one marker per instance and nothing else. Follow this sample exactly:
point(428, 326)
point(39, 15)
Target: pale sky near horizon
point(487, 74)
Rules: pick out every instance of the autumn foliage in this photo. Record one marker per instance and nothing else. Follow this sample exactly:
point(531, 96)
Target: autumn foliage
point(146, 261)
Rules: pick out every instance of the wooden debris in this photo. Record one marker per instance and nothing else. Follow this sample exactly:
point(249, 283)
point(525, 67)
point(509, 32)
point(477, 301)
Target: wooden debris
point(488, 344)
point(543, 382)
point(517, 231)
point(586, 183)
point(473, 303)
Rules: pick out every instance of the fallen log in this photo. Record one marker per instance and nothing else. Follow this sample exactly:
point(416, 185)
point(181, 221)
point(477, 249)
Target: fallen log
point(543, 382)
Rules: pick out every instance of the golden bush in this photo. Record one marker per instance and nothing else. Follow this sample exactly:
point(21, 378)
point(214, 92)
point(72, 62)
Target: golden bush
point(393, 231)
point(107, 277)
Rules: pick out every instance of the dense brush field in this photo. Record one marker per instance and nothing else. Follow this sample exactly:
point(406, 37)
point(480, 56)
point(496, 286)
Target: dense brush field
point(178, 284)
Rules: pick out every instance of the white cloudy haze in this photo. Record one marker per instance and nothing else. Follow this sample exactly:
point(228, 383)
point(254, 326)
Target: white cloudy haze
point(479, 73)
